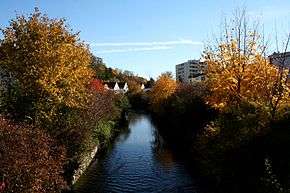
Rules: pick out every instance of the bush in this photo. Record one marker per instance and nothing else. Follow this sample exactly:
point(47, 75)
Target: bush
point(184, 114)
point(231, 141)
point(76, 126)
point(103, 131)
point(139, 101)
point(31, 161)
point(122, 102)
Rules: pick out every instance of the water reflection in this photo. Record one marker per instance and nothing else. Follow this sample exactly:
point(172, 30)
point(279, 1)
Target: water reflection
point(161, 152)
point(139, 161)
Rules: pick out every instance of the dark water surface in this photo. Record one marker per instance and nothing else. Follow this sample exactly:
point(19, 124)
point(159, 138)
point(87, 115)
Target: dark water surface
point(138, 161)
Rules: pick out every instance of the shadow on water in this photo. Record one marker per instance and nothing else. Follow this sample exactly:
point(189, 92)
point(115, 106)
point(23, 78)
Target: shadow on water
point(137, 161)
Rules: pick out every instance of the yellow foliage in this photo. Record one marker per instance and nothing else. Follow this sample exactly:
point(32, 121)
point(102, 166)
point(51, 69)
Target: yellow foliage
point(164, 87)
point(134, 86)
point(235, 75)
point(50, 63)
point(238, 69)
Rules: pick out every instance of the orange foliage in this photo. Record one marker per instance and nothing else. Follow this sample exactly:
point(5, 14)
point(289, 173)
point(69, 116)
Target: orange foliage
point(164, 87)
point(96, 85)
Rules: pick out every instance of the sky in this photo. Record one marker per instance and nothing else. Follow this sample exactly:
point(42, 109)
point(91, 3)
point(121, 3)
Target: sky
point(149, 37)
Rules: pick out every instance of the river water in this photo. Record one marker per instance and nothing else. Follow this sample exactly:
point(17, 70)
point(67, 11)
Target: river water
point(138, 161)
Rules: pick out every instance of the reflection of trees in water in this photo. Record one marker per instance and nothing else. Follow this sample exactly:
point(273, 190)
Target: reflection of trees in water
point(270, 180)
point(134, 118)
point(97, 170)
point(124, 134)
point(277, 171)
point(160, 151)
point(277, 159)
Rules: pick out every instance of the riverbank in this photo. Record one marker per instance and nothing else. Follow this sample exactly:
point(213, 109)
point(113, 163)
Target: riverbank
point(227, 153)
point(92, 155)
point(227, 146)
point(62, 150)
point(105, 132)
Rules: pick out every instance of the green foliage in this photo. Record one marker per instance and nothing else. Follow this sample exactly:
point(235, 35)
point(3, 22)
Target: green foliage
point(122, 102)
point(100, 69)
point(103, 131)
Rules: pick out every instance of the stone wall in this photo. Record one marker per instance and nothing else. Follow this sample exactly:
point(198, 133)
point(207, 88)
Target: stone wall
point(84, 164)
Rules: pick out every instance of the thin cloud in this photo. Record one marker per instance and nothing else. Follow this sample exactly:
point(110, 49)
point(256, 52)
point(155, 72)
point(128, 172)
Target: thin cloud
point(154, 43)
point(270, 12)
point(139, 49)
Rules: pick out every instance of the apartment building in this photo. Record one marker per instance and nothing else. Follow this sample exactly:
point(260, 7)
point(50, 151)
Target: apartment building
point(281, 60)
point(190, 71)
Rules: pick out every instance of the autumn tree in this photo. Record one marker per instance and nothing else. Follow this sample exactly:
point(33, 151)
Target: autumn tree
point(163, 88)
point(238, 69)
point(47, 63)
point(96, 85)
point(134, 86)
point(31, 161)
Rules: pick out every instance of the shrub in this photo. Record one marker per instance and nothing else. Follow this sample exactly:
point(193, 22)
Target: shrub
point(77, 125)
point(139, 101)
point(30, 159)
point(122, 102)
point(103, 131)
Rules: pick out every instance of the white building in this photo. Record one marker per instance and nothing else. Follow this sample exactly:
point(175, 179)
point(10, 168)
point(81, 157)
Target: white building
point(142, 86)
point(122, 87)
point(126, 88)
point(281, 60)
point(190, 71)
point(116, 87)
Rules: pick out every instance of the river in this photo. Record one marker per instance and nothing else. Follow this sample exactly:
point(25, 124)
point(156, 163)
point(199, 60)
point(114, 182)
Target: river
point(137, 161)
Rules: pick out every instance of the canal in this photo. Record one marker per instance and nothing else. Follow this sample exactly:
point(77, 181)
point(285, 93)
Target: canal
point(138, 161)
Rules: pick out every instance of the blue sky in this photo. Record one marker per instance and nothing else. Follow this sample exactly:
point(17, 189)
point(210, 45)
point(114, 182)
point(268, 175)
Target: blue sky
point(149, 37)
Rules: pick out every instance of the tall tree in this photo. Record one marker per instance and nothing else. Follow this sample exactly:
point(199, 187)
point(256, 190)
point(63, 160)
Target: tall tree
point(48, 62)
point(164, 87)
point(238, 68)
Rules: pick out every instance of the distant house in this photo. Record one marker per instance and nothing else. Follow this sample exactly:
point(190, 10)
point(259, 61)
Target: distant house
point(125, 87)
point(122, 87)
point(118, 87)
point(142, 86)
